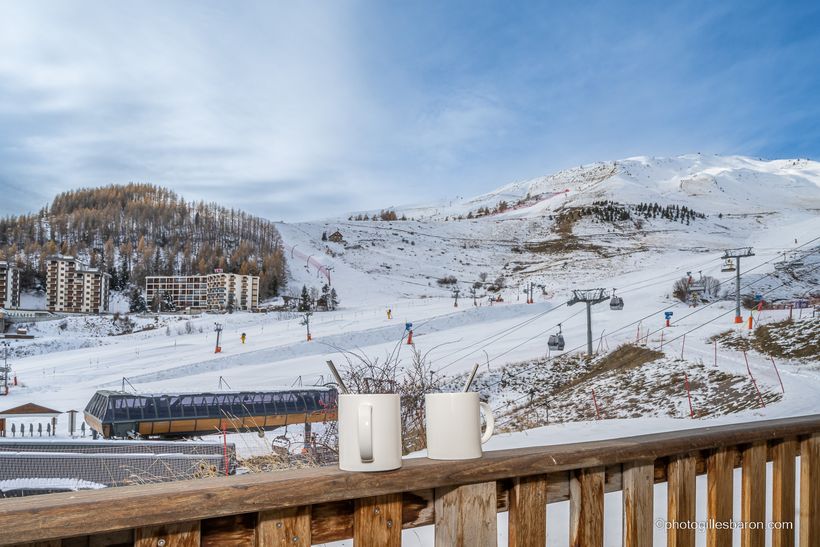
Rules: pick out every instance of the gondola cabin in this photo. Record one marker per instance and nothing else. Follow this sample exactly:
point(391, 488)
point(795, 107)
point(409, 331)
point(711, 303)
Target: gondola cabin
point(117, 414)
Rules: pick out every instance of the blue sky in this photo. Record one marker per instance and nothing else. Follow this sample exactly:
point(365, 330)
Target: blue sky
point(300, 110)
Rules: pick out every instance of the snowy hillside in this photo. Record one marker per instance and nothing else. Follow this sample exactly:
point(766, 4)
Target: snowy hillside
point(553, 234)
point(731, 184)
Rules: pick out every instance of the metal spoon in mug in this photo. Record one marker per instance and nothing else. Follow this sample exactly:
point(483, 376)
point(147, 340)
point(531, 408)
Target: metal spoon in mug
point(338, 377)
point(470, 379)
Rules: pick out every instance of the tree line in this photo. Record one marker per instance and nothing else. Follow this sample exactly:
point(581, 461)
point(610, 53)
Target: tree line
point(136, 230)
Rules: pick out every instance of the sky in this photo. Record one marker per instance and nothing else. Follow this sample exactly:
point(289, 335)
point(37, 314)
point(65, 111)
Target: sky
point(305, 110)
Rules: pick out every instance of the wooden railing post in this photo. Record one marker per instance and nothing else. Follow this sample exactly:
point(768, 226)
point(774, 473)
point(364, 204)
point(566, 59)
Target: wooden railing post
point(466, 515)
point(638, 501)
point(680, 504)
point(377, 521)
point(290, 526)
point(586, 507)
point(753, 495)
point(528, 512)
point(719, 476)
point(810, 491)
point(783, 477)
point(180, 534)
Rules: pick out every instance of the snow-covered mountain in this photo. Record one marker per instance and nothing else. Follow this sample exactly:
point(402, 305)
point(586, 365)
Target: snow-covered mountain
point(714, 184)
point(554, 230)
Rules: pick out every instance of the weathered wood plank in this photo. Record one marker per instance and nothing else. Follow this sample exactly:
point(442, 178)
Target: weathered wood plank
point(586, 507)
point(680, 500)
point(112, 539)
point(39, 518)
point(719, 502)
point(753, 495)
point(180, 534)
point(289, 526)
point(332, 521)
point(810, 491)
point(123, 538)
point(377, 521)
point(638, 503)
point(466, 516)
point(528, 512)
point(232, 531)
point(783, 491)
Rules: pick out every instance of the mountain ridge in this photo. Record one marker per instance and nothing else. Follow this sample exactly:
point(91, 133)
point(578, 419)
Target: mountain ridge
point(676, 180)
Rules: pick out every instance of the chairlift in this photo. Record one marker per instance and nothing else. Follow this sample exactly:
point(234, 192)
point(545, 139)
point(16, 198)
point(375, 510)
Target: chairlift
point(728, 266)
point(616, 302)
point(556, 341)
point(796, 261)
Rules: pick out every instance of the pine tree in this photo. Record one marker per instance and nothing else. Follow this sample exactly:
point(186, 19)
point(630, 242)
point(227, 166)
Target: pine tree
point(168, 303)
point(334, 299)
point(136, 302)
point(304, 300)
point(324, 300)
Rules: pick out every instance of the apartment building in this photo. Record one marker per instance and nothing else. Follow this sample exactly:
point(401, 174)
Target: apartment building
point(9, 286)
point(185, 291)
point(233, 290)
point(216, 291)
point(71, 286)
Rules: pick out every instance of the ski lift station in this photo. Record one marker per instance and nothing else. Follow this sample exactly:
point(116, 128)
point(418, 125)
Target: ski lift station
point(118, 414)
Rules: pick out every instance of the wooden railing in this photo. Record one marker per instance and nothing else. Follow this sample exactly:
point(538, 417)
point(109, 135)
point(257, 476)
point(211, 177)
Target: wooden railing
point(461, 498)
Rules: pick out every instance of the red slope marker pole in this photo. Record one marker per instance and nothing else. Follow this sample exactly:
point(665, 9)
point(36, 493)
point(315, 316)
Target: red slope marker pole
point(759, 396)
point(749, 370)
point(778, 375)
point(595, 402)
point(754, 382)
point(689, 395)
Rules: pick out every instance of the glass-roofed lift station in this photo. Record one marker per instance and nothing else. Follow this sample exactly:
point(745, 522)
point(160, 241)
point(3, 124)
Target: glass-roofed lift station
point(117, 414)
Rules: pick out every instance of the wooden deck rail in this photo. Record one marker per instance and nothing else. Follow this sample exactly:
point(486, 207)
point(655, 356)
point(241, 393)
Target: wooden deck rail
point(461, 498)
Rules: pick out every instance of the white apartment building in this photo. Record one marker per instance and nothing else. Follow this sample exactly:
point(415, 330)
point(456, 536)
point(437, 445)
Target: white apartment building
point(216, 291)
point(9, 286)
point(71, 286)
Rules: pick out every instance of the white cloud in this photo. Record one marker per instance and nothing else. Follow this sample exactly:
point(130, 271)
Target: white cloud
point(195, 98)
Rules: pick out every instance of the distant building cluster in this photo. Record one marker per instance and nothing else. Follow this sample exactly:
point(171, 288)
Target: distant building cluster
point(73, 287)
point(9, 286)
point(216, 291)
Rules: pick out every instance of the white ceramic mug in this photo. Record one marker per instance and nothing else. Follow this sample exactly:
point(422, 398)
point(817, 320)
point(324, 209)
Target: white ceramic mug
point(454, 425)
point(369, 432)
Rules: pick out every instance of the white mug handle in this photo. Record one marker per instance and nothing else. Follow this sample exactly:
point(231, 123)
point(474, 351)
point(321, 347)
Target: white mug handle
point(366, 432)
point(488, 416)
